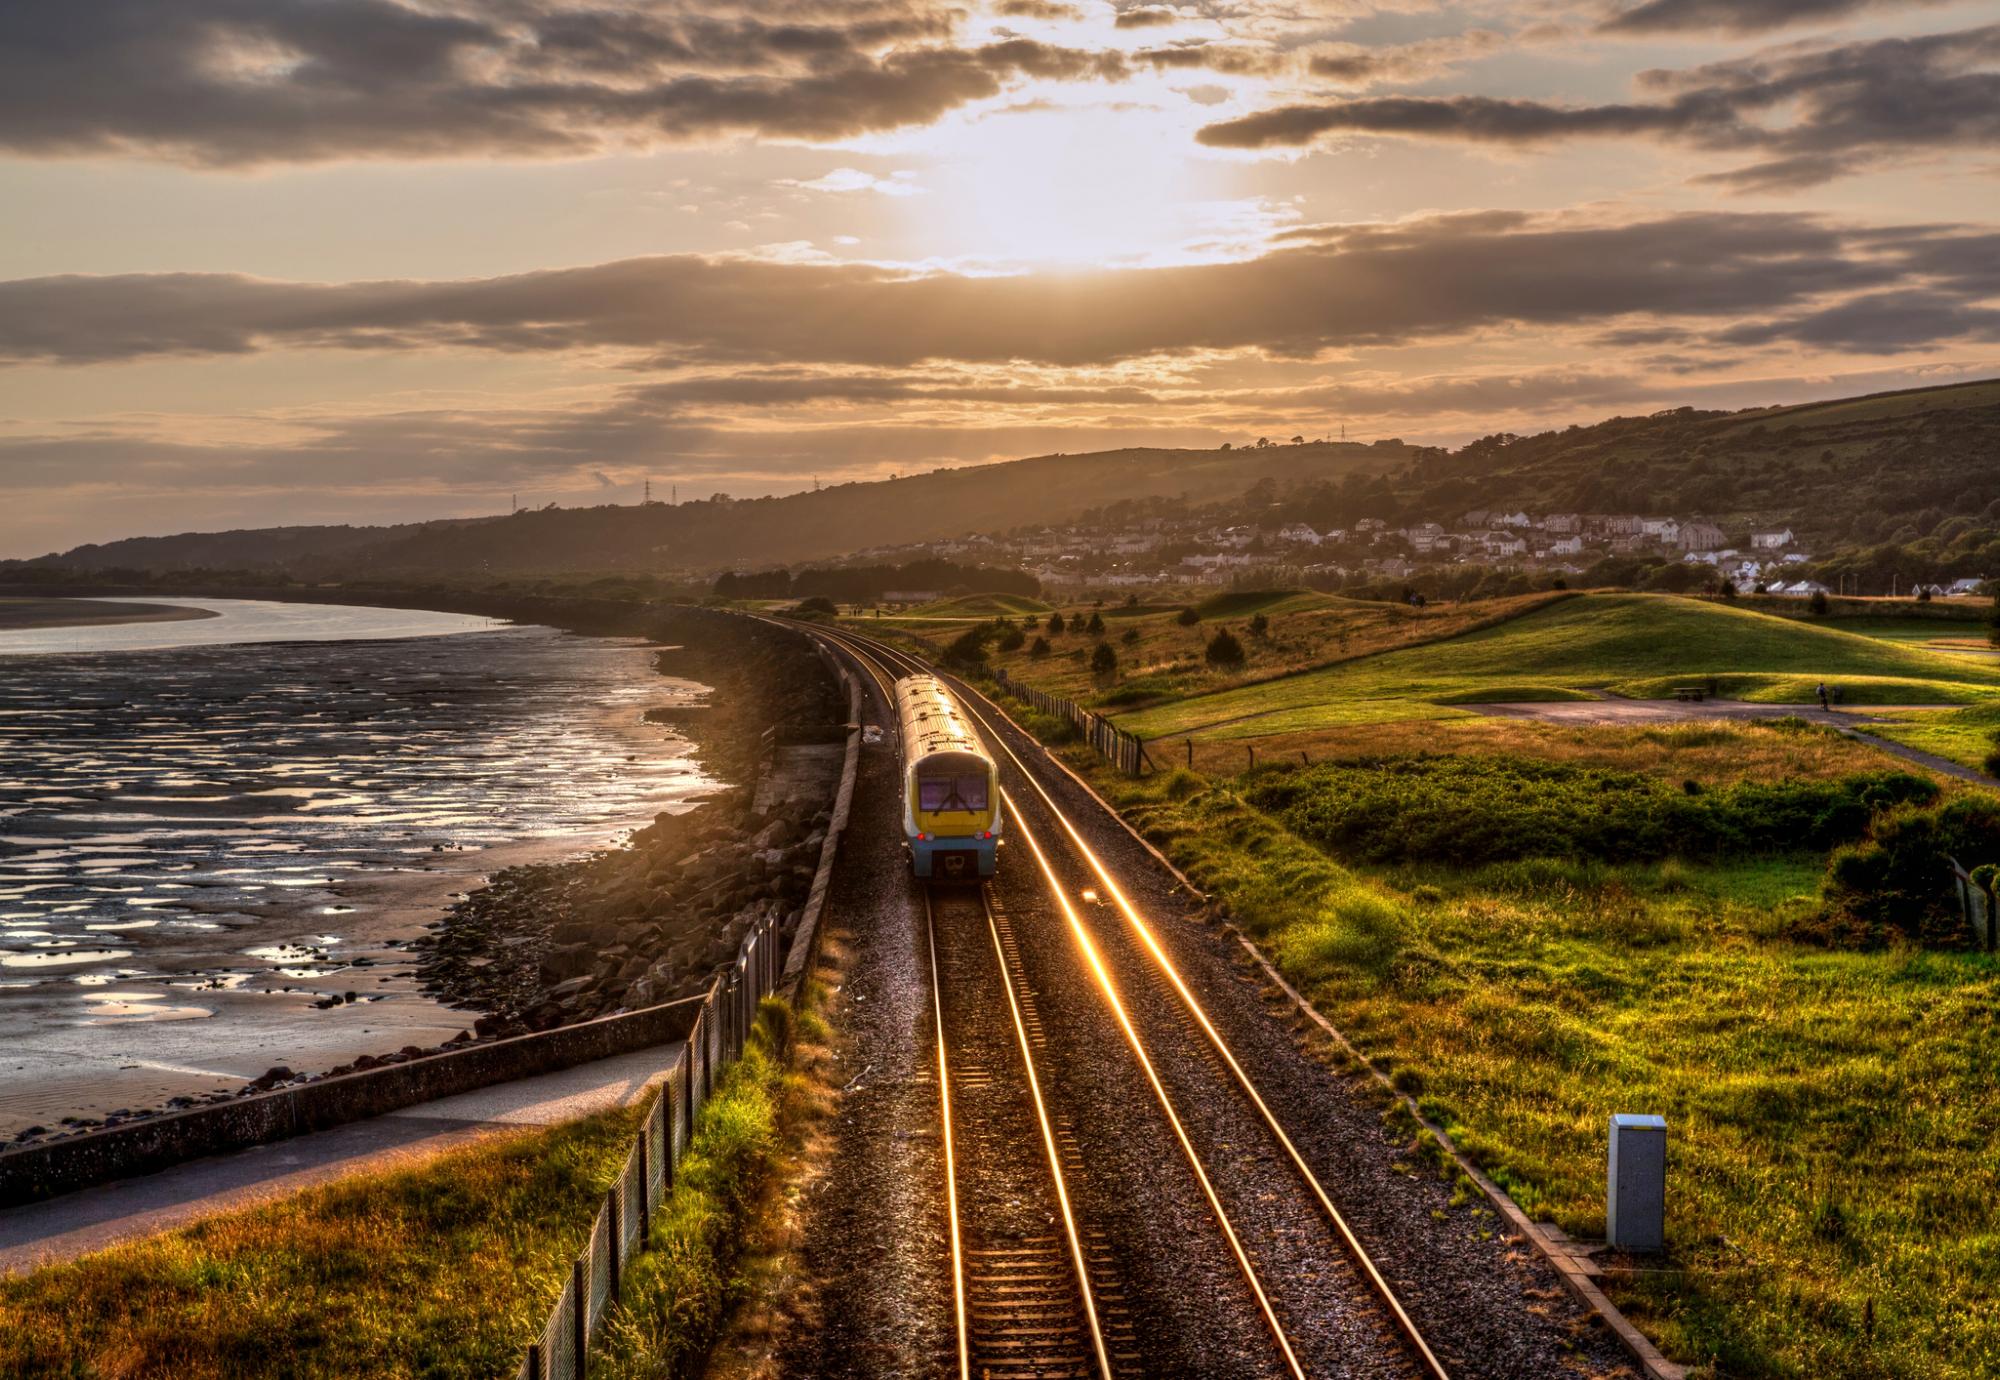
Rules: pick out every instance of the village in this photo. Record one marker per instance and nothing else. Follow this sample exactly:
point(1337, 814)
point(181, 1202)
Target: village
point(1156, 552)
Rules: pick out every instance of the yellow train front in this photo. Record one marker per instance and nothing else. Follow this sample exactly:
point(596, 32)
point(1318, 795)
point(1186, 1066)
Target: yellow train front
point(951, 791)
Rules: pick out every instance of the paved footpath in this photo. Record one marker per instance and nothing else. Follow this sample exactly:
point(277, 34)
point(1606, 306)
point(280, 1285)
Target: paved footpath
point(78, 1223)
point(1852, 720)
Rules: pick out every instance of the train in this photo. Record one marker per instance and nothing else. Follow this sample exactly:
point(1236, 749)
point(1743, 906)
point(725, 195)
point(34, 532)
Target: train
point(951, 789)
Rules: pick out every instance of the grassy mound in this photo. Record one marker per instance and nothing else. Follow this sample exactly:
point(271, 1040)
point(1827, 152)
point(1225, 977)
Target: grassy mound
point(1242, 603)
point(980, 606)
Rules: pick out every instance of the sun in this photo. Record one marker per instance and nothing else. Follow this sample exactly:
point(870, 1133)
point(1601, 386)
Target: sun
point(1050, 186)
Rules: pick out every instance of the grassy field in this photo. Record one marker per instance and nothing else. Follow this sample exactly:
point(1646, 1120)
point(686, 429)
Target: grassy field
point(1161, 659)
point(1636, 645)
point(1833, 1195)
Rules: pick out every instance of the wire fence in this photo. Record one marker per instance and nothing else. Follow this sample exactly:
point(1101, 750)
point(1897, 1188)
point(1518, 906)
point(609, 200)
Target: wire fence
point(1122, 750)
point(620, 1231)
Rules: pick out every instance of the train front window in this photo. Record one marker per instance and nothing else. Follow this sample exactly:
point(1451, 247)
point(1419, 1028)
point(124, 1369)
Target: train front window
point(949, 794)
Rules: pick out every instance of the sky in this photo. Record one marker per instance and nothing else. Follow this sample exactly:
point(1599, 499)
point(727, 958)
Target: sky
point(270, 262)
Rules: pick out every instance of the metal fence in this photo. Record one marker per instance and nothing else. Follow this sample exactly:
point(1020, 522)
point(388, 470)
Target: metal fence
point(620, 1231)
point(1121, 749)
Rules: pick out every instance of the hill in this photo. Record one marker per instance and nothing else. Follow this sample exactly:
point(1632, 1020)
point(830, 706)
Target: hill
point(1887, 468)
point(719, 532)
point(1639, 645)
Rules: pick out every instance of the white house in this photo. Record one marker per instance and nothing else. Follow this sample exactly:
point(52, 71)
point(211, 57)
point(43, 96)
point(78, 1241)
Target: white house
point(1667, 530)
point(1566, 546)
point(1771, 541)
point(1701, 536)
point(1958, 589)
point(1300, 533)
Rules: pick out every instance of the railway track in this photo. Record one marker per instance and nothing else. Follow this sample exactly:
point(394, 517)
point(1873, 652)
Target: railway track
point(1027, 1305)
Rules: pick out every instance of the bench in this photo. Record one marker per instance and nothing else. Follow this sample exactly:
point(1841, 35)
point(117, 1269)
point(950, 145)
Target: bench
point(1690, 694)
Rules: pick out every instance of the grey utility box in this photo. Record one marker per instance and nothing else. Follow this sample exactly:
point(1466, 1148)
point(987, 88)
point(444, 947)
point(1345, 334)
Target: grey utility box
point(1635, 1209)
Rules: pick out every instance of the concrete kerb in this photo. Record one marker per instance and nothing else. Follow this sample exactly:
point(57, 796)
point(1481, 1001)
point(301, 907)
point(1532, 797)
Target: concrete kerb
point(806, 940)
point(1570, 1268)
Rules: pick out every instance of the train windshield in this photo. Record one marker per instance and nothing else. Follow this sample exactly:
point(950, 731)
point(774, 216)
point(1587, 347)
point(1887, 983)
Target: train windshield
point(944, 794)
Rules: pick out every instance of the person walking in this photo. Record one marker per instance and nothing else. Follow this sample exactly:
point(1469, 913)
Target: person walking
point(1821, 689)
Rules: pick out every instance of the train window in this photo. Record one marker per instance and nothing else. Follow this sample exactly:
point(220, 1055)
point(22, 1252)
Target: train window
point(943, 794)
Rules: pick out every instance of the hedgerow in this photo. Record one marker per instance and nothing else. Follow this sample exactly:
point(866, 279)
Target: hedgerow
point(1466, 811)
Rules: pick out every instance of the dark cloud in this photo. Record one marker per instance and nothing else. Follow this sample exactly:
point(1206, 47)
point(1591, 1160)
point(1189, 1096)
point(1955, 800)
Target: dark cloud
point(1038, 9)
point(1146, 17)
point(1812, 114)
point(249, 81)
point(1327, 287)
point(1741, 16)
point(1353, 64)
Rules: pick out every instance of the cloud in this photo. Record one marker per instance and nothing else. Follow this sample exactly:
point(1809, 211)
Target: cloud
point(1812, 113)
point(1356, 65)
point(1741, 16)
point(1322, 288)
point(242, 82)
point(1147, 17)
point(843, 180)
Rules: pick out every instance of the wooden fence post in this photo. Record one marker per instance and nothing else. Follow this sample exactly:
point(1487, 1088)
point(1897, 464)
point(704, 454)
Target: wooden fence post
point(579, 1286)
point(646, 1184)
point(611, 1201)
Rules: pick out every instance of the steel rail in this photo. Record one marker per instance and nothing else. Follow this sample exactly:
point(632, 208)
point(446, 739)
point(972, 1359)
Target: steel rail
point(1412, 1335)
point(950, 1160)
point(1110, 990)
point(877, 667)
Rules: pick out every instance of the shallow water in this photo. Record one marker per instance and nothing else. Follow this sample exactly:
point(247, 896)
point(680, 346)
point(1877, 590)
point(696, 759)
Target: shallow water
point(206, 835)
point(241, 621)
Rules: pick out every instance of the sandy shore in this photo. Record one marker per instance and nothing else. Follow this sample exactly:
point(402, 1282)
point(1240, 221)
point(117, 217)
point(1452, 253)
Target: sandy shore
point(89, 613)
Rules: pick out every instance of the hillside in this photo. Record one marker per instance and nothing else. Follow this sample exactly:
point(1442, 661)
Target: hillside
point(1887, 468)
point(1639, 645)
point(718, 533)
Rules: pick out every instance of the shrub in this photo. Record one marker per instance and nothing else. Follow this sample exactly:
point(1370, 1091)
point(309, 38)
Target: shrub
point(968, 649)
point(1260, 626)
point(1013, 639)
point(1187, 618)
point(1056, 624)
point(1040, 648)
point(1224, 649)
point(1467, 811)
point(1817, 604)
point(1104, 661)
point(1130, 635)
point(1095, 627)
point(819, 603)
point(1896, 879)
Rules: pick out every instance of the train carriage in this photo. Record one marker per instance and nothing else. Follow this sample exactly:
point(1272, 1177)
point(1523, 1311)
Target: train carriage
point(951, 790)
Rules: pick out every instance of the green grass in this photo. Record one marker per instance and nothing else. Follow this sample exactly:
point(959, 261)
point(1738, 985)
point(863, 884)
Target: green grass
point(1964, 735)
point(1631, 644)
point(1830, 1113)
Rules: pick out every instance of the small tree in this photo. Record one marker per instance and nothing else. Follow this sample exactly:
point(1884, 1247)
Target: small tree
point(1187, 617)
point(1727, 589)
point(819, 603)
point(1055, 623)
point(1039, 649)
point(1095, 627)
point(1104, 662)
point(1993, 623)
point(1817, 604)
point(968, 649)
point(1224, 649)
point(1013, 639)
point(1923, 594)
point(1260, 627)
point(1559, 583)
point(1129, 636)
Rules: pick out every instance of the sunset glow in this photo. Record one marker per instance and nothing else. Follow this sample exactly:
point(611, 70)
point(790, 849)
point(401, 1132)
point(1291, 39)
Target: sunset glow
point(416, 258)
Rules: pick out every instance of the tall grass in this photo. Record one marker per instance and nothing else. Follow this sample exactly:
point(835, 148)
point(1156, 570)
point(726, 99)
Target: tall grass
point(1834, 1202)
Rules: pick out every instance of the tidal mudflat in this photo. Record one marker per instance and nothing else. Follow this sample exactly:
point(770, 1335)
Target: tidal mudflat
point(212, 858)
